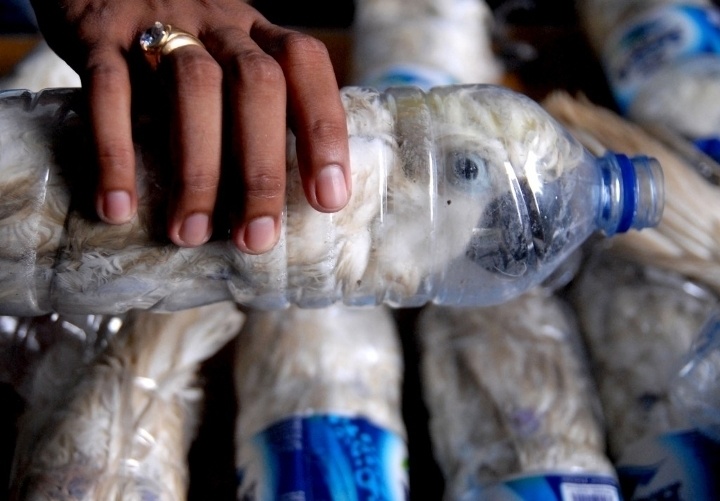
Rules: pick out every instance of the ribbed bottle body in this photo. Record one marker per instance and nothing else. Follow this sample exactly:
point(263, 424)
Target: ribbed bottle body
point(461, 195)
point(481, 196)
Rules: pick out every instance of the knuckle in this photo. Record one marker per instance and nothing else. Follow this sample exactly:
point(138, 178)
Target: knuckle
point(115, 157)
point(87, 18)
point(111, 75)
point(327, 132)
point(264, 187)
point(259, 68)
point(200, 183)
point(198, 67)
point(303, 47)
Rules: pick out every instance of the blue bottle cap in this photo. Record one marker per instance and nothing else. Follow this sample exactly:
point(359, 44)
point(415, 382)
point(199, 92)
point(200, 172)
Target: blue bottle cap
point(637, 194)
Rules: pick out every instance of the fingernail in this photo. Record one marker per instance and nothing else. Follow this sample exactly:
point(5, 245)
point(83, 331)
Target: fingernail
point(330, 188)
point(195, 230)
point(259, 234)
point(116, 206)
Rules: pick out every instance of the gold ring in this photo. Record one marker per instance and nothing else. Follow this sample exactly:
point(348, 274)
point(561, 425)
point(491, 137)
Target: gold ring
point(161, 39)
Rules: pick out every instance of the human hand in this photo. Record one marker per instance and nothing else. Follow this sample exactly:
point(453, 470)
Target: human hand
point(252, 77)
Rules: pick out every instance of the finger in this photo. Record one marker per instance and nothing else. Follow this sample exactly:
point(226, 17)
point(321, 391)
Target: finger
point(257, 98)
point(197, 143)
point(108, 84)
point(316, 111)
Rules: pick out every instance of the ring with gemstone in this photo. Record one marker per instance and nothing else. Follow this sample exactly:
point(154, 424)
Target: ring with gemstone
point(161, 39)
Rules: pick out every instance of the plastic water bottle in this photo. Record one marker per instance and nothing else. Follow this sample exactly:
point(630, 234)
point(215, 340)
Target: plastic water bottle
point(513, 409)
point(425, 43)
point(662, 61)
point(652, 338)
point(462, 195)
point(319, 397)
point(697, 385)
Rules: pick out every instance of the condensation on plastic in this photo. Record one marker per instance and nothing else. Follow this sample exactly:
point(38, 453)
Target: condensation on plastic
point(639, 323)
point(509, 394)
point(462, 195)
point(117, 424)
point(338, 360)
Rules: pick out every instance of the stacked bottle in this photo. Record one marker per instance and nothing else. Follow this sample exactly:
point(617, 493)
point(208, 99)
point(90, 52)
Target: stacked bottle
point(319, 395)
point(425, 43)
point(463, 195)
point(662, 60)
point(653, 340)
point(513, 408)
point(117, 424)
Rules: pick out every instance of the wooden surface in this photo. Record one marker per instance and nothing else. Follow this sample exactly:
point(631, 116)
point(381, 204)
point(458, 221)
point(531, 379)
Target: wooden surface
point(13, 48)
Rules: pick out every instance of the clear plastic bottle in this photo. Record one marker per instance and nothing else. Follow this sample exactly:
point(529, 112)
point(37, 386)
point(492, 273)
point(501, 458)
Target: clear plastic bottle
point(697, 387)
point(425, 43)
point(119, 424)
point(462, 195)
point(319, 397)
point(649, 333)
point(513, 410)
point(662, 60)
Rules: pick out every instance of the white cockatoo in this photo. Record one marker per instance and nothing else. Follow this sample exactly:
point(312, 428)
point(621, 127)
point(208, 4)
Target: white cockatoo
point(120, 425)
point(509, 394)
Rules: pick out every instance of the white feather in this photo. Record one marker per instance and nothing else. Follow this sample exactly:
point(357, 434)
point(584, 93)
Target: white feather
point(122, 428)
point(302, 362)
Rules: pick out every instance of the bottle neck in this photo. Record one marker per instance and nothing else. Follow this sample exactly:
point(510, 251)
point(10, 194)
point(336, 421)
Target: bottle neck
point(632, 194)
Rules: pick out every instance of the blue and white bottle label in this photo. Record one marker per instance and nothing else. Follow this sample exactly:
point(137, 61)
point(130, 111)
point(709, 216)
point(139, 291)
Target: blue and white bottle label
point(667, 35)
point(710, 146)
point(401, 75)
point(331, 458)
point(676, 466)
point(551, 487)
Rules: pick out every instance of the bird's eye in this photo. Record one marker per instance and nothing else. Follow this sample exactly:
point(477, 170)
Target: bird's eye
point(466, 168)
